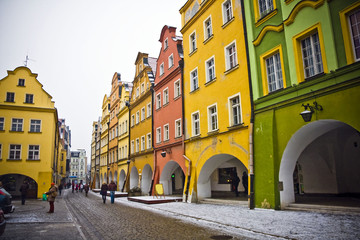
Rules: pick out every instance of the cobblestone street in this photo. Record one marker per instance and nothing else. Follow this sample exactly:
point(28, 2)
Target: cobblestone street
point(80, 217)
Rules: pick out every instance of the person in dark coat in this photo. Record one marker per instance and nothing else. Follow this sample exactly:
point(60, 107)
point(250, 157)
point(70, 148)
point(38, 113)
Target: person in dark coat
point(86, 188)
point(103, 191)
point(112, 189)
point(24, 190)
point(245, 181)
point(235, 183)
point(60, 188)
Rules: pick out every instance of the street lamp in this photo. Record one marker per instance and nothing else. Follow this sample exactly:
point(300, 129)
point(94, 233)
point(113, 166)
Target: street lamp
point(309, 109)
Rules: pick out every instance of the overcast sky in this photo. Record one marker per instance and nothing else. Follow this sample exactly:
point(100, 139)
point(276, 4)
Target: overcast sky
point(76, 46)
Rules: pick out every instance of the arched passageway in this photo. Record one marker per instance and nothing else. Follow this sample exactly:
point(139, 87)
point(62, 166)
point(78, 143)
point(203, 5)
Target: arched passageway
point(216, 175)
point(321, 165)
point(97, 181)
point(122, 178)
point(12, 183)
point(146, 178)
point(134, 178)
point(172, 178)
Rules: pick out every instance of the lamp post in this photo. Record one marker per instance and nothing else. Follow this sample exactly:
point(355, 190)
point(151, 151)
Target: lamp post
point(309, 110)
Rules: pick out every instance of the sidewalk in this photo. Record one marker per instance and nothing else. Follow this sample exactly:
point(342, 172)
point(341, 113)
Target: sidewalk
point(267, 223)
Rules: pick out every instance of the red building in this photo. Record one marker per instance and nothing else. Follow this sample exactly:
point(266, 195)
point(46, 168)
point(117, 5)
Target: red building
point(168, 114)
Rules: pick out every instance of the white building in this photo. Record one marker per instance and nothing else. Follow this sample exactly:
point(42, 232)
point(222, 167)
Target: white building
point(78, 165)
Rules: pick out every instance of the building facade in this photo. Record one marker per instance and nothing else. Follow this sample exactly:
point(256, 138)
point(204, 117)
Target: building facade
point(305, 77)
point(95, 155)
point(167, 114)
point(141, 152)
point(78, 166)
point(29, 133)
point(104, 141)
point(217, 106)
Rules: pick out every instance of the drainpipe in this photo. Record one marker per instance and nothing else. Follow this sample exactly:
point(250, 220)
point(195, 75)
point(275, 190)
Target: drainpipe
point(251, 128)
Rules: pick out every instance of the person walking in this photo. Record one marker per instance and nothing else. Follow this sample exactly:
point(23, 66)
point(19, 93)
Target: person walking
point(60, 188)
point(103, 191)
point(52, 193)
point(245, 181)
point(73, 187)
point(24, 190)
point(86, 189)
point(235, 183)
point(112, 189)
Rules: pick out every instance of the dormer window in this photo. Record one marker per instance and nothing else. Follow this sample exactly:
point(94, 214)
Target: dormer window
point(21, 82)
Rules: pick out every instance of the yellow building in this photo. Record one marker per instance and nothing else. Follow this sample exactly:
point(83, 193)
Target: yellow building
point(104, 142)
point(123, 137)
point(95, 156)
point(141, 154)
point(216, 98)
point(29, 133)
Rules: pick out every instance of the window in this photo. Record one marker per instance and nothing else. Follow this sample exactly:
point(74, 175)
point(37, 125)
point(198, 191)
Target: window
point(17, 125)
point(148, 110)
point(158, 135)
point(194, 84)
point(126, 126)
point(137, 117)
point(29, 98)
point(161, 69)
point(234, 111)
point(207, 28)
point(0, 151)
point(165, 44)
point(137, 145)
point(158, 101)
point(132, 120)
point(192, 42)
point(350, 25)
point(15, 152)
point(143, 114)
point(10, 97)
point(137, 92)
point(178, 128)
point(227, 11)
point(34, 152)
point(166, 96)
point(210, 69)
point(195, 124)
point(274, 72)
point(2, 123)
point(148, 140)
point(21, 82)
point(142, 143)
point(171, 60)
point(311, 53)
point(166, 132)
point(132, 146)
point(35, 125)
point(230, 56)
point(265, 6)
point(177, 89)
point(142, 87)
point(354, 22)
point(212, 118)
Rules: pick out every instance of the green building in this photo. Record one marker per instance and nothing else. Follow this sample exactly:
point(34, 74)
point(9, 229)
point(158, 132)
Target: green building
point(305, 75)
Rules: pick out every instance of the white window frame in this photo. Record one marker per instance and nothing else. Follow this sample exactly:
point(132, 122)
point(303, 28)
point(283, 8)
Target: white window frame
point(192, 87)
point(165, 96)
point(177, 88)
point(211, 118)
point(227, 15)
point(132, 120)
point(34, 152)
point(148, 110)
point(29, 98)
point(17, 124)
point(207, 69)
point(137, 145)
point(142, 143)
point(194, 123)
point(158, 100)
point(276, 72)
point(148, 137)
point(142, 87)
point(313, 56)
point(231, 112)
point(178, 128)
point(208, 31)
point(166, 44)
point(166, 132)
point(192, 42)
point(137, 117)
point(356, 11)
point(267, 8)
point(15, 151)
point(137, 92)
point(171, 60)
point(126, 126)
point(228, 57)
point(158, 135)
point(2, 123)
point(132, 146)
point(143, 114)
point(161, 69)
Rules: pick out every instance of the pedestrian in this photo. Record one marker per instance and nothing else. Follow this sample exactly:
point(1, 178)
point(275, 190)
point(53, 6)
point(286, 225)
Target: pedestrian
point(112, 189)
point(245, 181)
point(235, 180)
point(76, 187)
point(86, 188)
point(24, 190)
point(103, 191)
point(81, 187)
point(60, 188)
point(73, 187)
point(52, 193)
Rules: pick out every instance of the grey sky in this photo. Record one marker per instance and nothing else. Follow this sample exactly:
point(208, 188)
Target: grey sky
point(76, 46)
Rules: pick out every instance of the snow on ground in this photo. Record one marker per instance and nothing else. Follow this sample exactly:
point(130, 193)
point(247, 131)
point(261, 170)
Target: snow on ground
point(238, 220)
